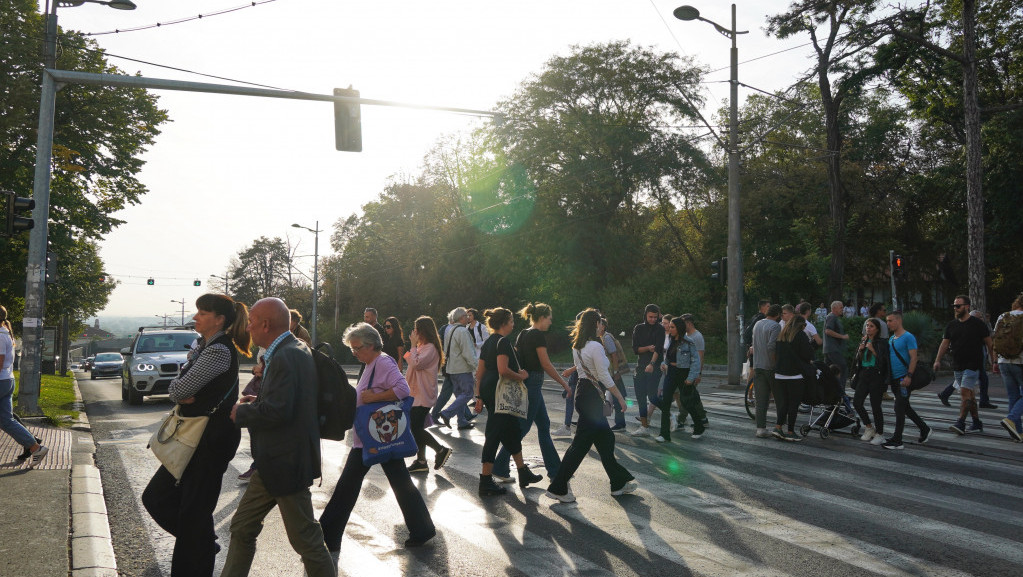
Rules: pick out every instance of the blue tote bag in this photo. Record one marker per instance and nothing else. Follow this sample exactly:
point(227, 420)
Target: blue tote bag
point(385, 430)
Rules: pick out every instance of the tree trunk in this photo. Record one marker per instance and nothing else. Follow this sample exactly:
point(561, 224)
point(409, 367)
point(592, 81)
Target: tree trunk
point(974, 170)
point(836, 191)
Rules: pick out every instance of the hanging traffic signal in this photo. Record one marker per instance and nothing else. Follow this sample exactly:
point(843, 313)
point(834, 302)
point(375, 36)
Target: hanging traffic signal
point(51, 268)
point(720, 267)
point(347, 122)
point(13, 204)
point(196, 282)
point(150, 282)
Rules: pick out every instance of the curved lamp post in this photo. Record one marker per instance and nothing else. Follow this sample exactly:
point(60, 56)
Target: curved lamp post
point(735, 283)
point(316, 273)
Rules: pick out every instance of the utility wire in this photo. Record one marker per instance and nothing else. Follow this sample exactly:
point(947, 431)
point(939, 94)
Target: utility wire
point(181, 20)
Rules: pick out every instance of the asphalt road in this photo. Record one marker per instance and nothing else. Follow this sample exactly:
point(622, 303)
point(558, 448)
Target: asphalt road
point(726, 504)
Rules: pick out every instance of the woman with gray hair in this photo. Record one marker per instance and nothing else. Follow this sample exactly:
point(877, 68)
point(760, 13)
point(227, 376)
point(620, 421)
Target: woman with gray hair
point(380, 381)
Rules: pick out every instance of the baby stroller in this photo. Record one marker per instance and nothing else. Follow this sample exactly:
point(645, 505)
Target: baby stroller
point(830, 407)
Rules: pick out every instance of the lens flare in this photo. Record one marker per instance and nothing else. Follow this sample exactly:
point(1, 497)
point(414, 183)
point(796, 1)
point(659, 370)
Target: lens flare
point(500, 202)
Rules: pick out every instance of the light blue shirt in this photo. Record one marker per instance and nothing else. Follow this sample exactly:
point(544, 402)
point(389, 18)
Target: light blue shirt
point(903, 344)
point(273, 347)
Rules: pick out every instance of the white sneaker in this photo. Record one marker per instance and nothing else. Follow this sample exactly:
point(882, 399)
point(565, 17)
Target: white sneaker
point(500, 479)
point(562, 432)
point(674, 422)
point(641, 432)
point(762, 434)
point(568, 497)
point(38, 456)
point(627, 488)
point(868, 433)
point(660, 439)
point(878, 439)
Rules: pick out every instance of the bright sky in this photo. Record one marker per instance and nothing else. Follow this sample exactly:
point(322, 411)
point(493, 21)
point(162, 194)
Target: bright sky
point(228, 169)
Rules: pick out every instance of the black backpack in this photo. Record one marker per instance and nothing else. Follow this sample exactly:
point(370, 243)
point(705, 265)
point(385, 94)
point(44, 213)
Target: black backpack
point(335, 396)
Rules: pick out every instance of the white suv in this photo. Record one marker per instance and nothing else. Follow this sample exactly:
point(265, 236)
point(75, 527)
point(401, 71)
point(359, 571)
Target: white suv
point(153, 360)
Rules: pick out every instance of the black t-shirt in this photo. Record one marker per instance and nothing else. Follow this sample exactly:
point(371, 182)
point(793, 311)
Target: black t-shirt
point(966, 342)
point(494, 346)
point(526, 344)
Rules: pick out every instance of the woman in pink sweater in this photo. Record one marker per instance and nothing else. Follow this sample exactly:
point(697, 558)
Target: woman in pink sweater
point(424, 359)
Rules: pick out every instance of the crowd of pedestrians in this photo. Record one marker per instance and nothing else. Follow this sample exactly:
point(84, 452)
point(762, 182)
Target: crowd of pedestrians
point(887, 358)
point(474, 354)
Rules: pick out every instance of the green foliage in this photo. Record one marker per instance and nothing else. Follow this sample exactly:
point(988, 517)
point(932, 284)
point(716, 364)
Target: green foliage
point(100, 135)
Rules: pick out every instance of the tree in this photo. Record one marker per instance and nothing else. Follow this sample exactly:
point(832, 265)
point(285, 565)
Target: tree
point(100, 135)
point(843, 35)
point(261, 270)
point(951, 32)
point(599, 134)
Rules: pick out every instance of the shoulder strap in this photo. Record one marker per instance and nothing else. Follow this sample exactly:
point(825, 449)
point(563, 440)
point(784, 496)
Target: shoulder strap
point(586, 370)
point(891, 343)
point(450, 333)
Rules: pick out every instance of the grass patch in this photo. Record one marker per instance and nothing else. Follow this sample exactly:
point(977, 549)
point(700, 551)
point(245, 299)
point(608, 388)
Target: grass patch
point(56, 398)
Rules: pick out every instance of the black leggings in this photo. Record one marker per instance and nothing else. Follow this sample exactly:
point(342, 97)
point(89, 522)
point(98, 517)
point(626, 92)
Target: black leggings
point(502, 429)
point(870, 382)
point(423, 437)
point(788, 393)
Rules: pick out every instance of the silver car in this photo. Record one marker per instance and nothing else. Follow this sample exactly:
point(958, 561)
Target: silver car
point(153, 360)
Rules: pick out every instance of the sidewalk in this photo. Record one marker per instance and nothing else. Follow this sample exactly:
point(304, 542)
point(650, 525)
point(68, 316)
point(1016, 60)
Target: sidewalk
point(54, 516)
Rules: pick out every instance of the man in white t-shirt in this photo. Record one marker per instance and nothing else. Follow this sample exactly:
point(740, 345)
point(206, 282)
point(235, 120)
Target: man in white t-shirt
point(806, 310)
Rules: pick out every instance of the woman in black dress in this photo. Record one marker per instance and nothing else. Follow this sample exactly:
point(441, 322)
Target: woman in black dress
point(208, 385)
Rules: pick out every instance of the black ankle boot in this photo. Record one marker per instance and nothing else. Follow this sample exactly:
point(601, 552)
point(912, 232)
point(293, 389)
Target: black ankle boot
point(526, 477)
point(489, 487)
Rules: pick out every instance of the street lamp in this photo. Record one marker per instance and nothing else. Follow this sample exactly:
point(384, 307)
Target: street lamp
point(734, 314)
point(35, 287)
point(182, 303)
point(316, 272)
point(227, 283)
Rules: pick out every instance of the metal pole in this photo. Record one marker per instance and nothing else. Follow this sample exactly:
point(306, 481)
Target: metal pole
point(735, 283)
point(891, 269)
point(35, 287)
point(316, 276)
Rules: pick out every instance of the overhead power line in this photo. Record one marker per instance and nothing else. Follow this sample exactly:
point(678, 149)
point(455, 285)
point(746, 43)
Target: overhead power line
point(181, 20)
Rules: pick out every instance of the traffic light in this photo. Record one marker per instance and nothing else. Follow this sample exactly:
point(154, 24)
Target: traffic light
point(720, 267)
point(347, 122)
point(102, 277)
point(51, 268)
point(13, 205)
point(150, 282)
point(196, 282)
point(897, 269)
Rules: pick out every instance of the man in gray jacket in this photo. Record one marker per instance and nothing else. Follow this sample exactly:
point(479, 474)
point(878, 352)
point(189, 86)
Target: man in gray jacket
point(285, 436)
point(459, 364)
point(765, 340)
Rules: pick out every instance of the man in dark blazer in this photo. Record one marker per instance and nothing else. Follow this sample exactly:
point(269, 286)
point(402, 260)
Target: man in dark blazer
point(285, 438)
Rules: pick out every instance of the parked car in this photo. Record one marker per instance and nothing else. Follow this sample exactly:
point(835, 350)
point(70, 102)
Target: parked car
point(106, 365)
point(87, 363)
point(153, 360)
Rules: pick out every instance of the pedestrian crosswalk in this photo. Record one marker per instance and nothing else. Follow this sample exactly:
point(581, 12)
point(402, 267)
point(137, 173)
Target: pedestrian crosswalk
point(727, 504)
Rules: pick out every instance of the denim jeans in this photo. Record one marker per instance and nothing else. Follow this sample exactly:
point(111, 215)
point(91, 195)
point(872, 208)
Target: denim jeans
point(536, 413)
point(1012, 376)
point(984, 398)
point(573, 380)
point(462, 385)
point(7, 422)
point(619, 410)
point(645, 385)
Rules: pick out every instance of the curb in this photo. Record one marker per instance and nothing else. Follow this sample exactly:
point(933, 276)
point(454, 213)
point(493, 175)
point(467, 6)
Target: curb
point(90, 545)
